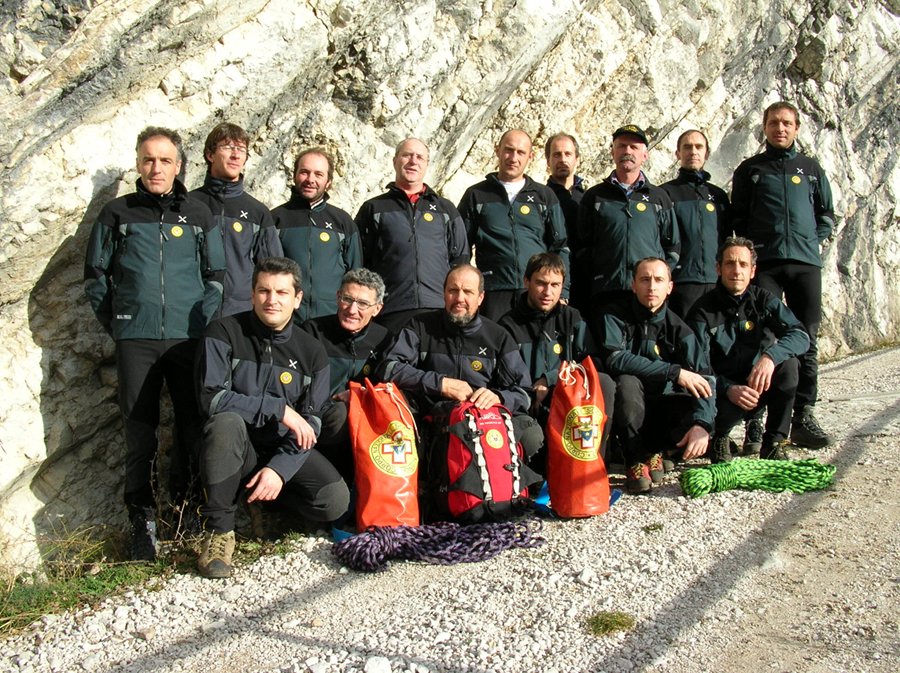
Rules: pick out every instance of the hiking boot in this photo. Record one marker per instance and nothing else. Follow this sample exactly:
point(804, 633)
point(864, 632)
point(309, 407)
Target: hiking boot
point(656, 468)
point(668, 463)
point(806, 431)
point(215, 555)
point(720, 449)
point(143, 538)
point(774, 449)
point(637, 479)
point(753, 435)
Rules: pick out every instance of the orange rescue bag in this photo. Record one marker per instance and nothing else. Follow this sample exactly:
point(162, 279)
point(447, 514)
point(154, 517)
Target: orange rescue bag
point(383, 434)
point(576, 473)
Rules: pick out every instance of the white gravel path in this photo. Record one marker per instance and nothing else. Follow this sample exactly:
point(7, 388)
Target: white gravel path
point(731, 582)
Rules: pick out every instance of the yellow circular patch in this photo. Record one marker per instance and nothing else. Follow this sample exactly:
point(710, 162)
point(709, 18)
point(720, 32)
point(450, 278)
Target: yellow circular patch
point(641, 207)
point(238, 227)
point(394, 451)
point(367, 369)
point(557, 349)
point(796, 179)
point(428, 217)
point(285, 377)
point(749, 325)
point(524, 210)
point(324, 237)
point(581, 432)
point(656, 348)
point(710, 207)
point(494, 439)
point(477, 365)
point(177, 231)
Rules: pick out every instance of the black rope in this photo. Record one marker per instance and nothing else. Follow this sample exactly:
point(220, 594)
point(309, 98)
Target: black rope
point(439, 543)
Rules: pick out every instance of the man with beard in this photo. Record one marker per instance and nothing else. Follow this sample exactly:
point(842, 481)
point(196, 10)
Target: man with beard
point(509, 217)
point(548, 333)
point(320, 237)
point(411, 237)
point(245, 224)
point(782, 202)
point(624, 219)
point(665, 395)
point(457, 355)
point(736, 321)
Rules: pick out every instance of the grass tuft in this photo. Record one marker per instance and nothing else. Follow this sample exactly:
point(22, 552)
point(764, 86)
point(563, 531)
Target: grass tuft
point(652, 527)
point(604, 623)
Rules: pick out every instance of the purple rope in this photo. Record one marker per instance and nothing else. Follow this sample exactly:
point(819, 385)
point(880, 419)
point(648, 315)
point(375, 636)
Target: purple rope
point(440, 543)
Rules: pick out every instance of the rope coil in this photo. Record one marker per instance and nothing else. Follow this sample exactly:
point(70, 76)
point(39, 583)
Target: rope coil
point(798, 476)
point(442, 543)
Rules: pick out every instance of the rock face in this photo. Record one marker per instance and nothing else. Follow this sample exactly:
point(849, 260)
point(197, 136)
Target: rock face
point(82, 78)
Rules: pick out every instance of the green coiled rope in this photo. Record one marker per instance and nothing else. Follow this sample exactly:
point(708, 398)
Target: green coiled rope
point(798, 476)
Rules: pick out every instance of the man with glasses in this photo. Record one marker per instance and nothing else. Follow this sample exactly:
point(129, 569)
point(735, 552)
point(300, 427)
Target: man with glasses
point(319, 236)
point(354, 345)
point(411, 237)
point(245, 224)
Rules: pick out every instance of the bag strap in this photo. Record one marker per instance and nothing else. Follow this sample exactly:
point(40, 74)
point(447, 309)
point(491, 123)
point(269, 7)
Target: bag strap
point(513, 453)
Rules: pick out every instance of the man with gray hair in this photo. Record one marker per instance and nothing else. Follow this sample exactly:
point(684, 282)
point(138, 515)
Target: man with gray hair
point(411, 237)
point(354, 345)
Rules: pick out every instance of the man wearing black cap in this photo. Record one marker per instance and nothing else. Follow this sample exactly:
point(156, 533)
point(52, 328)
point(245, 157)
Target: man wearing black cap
point(625, 219)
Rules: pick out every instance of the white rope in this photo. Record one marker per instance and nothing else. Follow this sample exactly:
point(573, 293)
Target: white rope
point(567, 376)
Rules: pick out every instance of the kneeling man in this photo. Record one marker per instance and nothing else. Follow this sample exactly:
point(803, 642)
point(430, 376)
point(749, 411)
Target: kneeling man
point(262, 383)
point(752, 370)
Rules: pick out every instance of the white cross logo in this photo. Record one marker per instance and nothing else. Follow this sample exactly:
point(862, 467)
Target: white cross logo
point(800, 171)
point(530, 199)
point(644, 197)
point(329, 225)
point(482, 351)
point(245, 214)
point(711, 198)
point(182, 219)
point(292, 363)
point(431, 206)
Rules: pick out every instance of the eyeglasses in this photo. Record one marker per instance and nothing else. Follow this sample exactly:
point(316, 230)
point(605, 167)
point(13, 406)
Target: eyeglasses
point(347, 301)
point(238, 149)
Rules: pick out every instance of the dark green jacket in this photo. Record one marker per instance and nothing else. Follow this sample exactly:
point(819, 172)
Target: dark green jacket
point(324, 241)
point(737, 331)
point(506, 235)
point(351, 357)
point(781, 201)
point(616, 230)
point(153, 270)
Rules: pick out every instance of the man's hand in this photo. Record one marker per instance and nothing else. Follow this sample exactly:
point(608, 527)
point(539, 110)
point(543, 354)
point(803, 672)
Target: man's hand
point(343, 396)
point(695, 384)
point(540, 393)
point(744, 397)
point(265, 485)
point(761, 375)
point(306, 436)
point(455, 389)
point(484, 398)
point(694, 442)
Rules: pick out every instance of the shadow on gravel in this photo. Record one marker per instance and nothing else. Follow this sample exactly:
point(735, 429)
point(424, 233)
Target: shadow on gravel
point(831, 368)
point(692, 604)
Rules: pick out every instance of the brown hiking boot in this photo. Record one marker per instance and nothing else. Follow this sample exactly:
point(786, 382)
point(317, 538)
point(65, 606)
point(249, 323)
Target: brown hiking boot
point(215, 555)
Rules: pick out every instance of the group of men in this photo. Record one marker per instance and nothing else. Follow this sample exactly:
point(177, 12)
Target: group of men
point(279, 313)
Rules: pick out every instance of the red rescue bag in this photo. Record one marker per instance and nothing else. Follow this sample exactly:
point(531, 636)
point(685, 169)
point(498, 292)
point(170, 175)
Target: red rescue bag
point(576, 473)
point(382, 431)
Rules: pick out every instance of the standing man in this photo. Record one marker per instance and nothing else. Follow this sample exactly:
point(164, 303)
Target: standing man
point(665, 395)
point(625, 219)
point(262, 383)
point(320, 237)
point(562, 154)
point(245, 224)
point(152, 274)
point(411, 237)
point(753, 371)
point(509, 217)
point(701, 210)
point(354, 345)
point(782, 202)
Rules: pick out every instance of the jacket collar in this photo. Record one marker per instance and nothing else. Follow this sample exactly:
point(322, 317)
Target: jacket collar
point(226, 189)
point(778, 153)
point(263, 331)
point(298, 201)
point(173, 198)
point(697, 177)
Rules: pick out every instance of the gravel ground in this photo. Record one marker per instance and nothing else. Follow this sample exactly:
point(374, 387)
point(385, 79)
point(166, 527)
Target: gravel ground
point(734, 581)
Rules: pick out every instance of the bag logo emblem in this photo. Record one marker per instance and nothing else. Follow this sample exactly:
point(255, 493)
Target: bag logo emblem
point(581, 433)
point(393, 452)
point(494, 438)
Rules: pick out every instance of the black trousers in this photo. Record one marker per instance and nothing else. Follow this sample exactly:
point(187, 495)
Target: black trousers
point(498, 303)
point(684, 295)
point(801, 287)
point(778, 401)
point(143, 365)
point(228, 459)
point(334, 440)
point(647, 419)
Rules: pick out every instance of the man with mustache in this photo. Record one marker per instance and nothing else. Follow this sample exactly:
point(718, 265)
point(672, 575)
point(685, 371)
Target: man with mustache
point(245, 224)
point(624, 219)
point(319, 236)
point(509, 217)
point(782, 202)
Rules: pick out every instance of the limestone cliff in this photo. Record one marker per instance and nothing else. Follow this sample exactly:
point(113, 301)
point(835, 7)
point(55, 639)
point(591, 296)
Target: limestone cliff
point(83, 77)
